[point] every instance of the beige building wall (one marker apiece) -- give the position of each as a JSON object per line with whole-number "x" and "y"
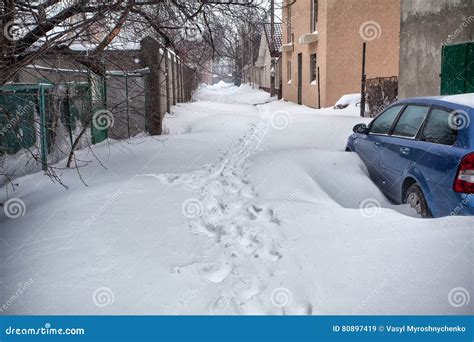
{"x": 342, "y": 27}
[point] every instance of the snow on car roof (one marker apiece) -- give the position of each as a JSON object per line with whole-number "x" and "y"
{"x": 348, "y": 99}
{"x": 461, "y": 99}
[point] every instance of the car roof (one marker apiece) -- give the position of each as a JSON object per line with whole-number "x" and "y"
{"x": 462, "y": 101}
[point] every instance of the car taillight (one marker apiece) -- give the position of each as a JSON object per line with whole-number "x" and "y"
{"x": 465, "y": 179}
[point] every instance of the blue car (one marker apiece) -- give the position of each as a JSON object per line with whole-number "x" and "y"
{"x": 421, "y": 152}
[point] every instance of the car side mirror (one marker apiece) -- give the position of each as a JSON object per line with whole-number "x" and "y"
{"x": 360, "y": 129}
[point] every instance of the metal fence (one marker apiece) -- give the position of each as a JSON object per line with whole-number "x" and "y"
{"x": 381, "y": 92}
{"x": 54, "y": 110}
{"x": 40, "y": 123}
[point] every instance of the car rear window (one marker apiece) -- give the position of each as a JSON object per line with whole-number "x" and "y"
{"x": 411, "y": 120}
{"x": 438, "y": 129}
{"x": 383, "y": 123}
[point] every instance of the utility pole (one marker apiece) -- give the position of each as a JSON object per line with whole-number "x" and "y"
{"x": 272, "y": 46}
{"x": 319, "y": 90}
{"x": 363, "y": 82}
{"x": 242, "y": 55}
{"x": 251, "y": 57}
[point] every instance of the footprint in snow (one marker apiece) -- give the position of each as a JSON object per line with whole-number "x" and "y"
{"x": 163, "y": 178}
{"x": 250, "y": 290}
{"x": 247, "y": 192}
{"x": 211, "y": 229}
{"x": 217, "y": 273}
{"x": 257, "y": 213}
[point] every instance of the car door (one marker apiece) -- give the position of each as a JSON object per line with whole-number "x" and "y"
{"x": 441, "y": 153}
{"x": 368, "y": 146}
{"x": 399, "y": 150}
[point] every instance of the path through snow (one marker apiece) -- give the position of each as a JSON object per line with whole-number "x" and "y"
{"x": 224, "y": 212}
{"x": 241, "y": 209}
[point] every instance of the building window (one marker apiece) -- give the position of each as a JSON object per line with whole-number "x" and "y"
{"x": 314, "y": 15}
{"x": 288, "y": 25}
{"x": 313, "y": 68}
{"x": 288, "y": 71}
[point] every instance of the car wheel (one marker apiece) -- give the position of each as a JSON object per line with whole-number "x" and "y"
{"x": 415, "y": 198}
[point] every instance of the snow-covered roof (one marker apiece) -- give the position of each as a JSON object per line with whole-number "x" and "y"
{"x": 114, "y": 46}
{"x": 136, "y": 72}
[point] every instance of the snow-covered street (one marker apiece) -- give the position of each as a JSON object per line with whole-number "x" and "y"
{"x": 246, "y": 206}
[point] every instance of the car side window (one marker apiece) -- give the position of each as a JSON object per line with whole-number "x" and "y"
{"x": 411, "y": 120}
{"x": 383, "y": 123}
{"x": 437, "y": 128}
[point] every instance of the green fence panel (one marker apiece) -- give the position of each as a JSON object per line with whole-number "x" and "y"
{"x": 453, "y": 69}
{"x": 98, "y": 134}
{"x": 98, "y": 96}
{"x": 470, "y": 68}
{"x": 30, "y": 115}
{"x": 17, "y": 126}
{"x": 457, "y": 69}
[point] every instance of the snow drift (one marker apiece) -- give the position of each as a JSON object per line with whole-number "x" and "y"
{"x": 241, "y": 209}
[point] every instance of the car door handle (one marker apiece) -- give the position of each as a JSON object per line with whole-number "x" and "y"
{"x": 405, "y": 151}
{"x": 377, "y": 144}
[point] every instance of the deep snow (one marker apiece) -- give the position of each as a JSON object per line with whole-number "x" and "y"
{"x": 240, "y": 209}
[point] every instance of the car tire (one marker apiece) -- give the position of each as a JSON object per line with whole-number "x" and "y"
{"x": 416, "y": 199}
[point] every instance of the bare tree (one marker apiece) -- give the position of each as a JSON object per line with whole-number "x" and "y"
{"x": 80, "y": 31}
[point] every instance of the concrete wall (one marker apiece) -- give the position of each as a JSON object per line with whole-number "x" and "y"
{"x": 339, "y": 46}
{"x": 126, "y": 100}
{"x": 168, "y": 83}
{"x": 426, "y": 25}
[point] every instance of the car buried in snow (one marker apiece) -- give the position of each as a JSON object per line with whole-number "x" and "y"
{"x": 420, "y": 152}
